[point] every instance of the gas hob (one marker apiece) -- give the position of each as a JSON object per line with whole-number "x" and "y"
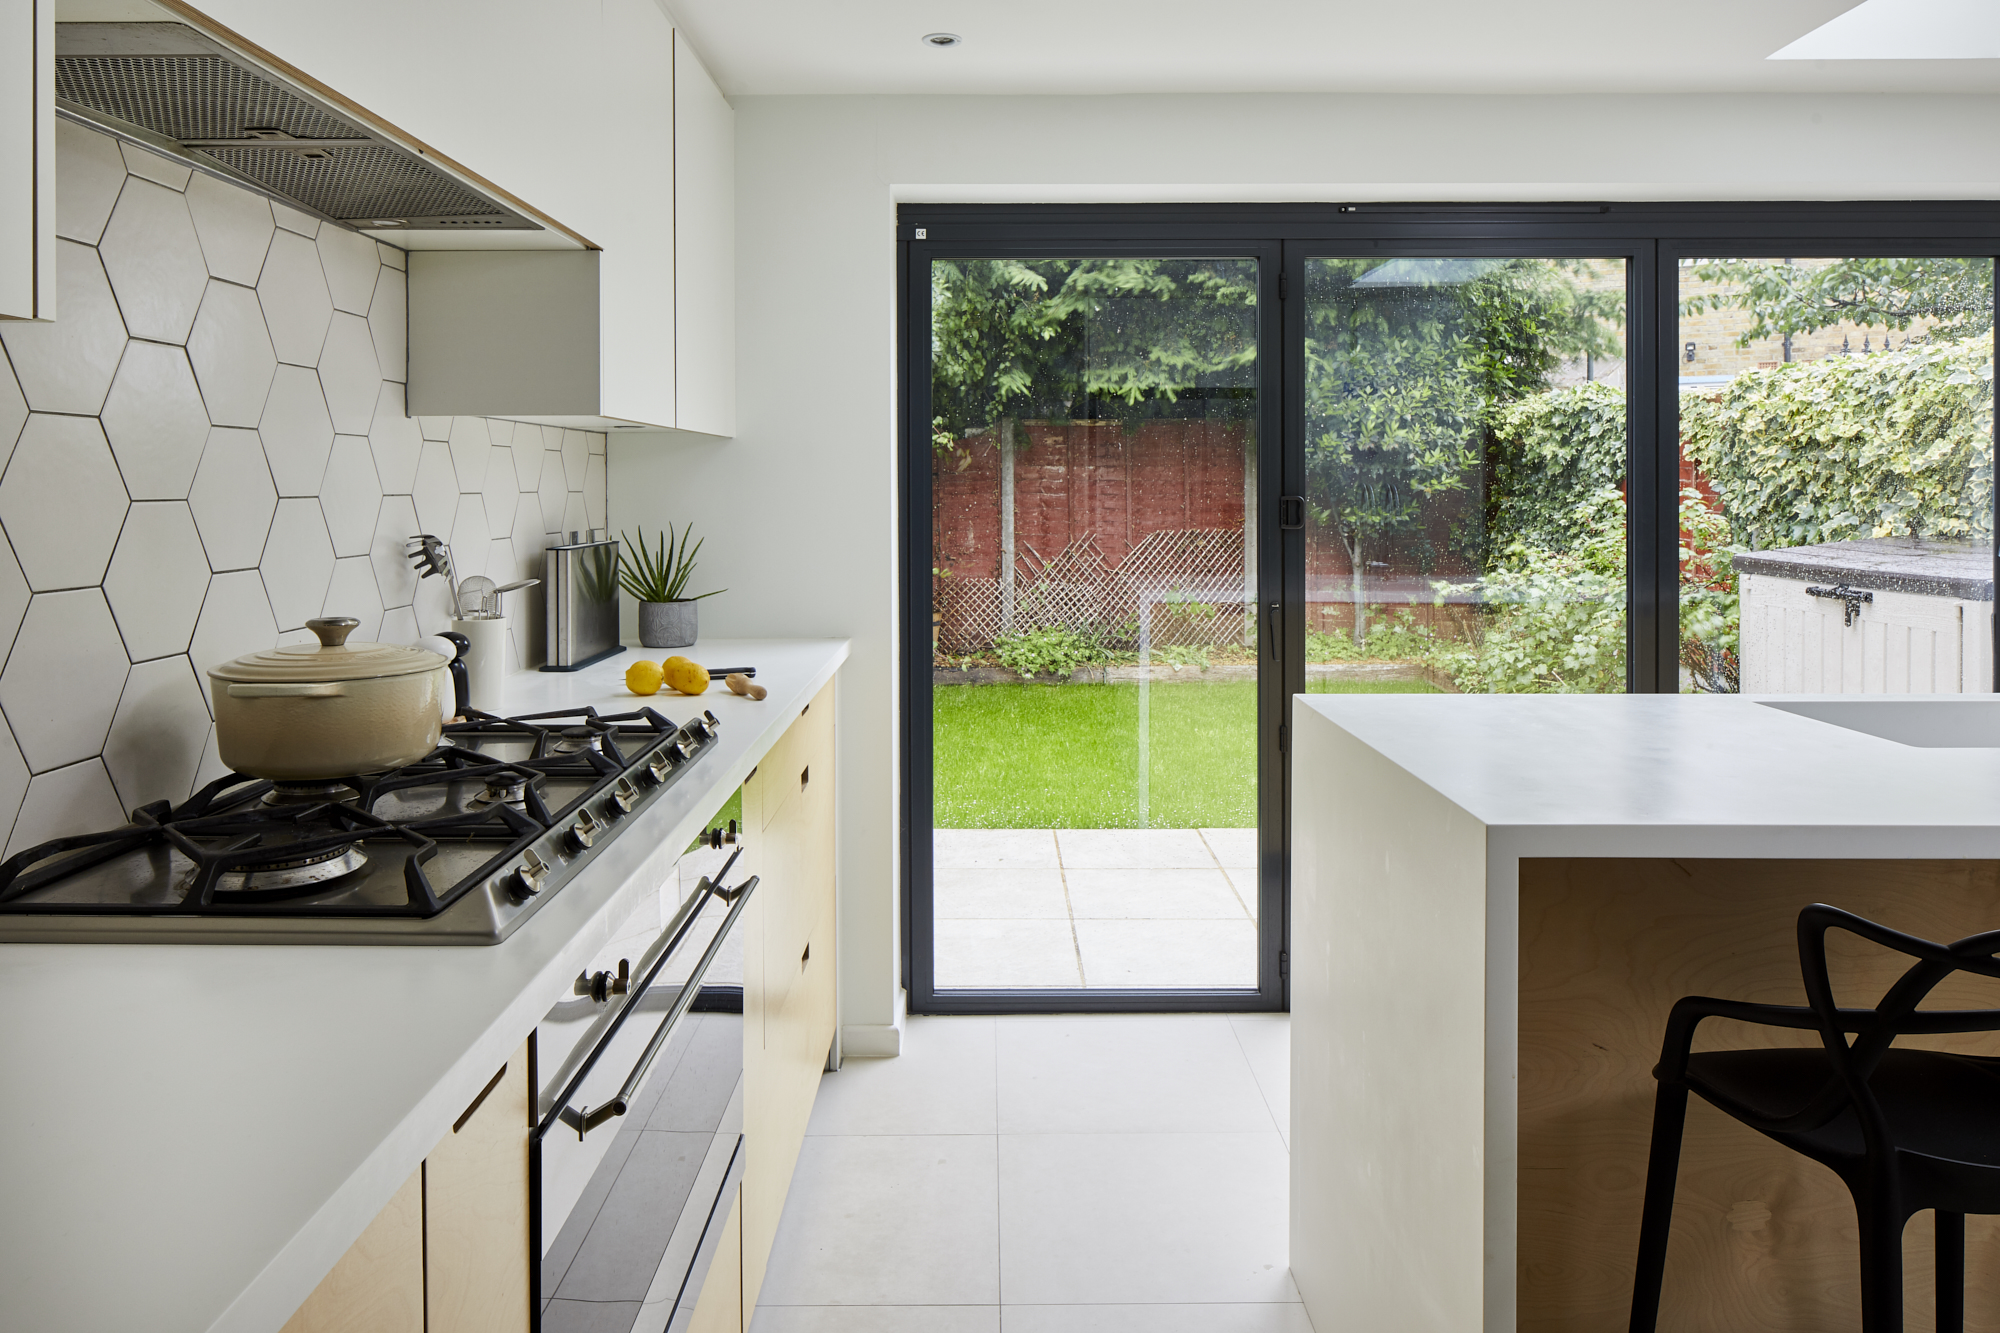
{"x": 458, "y": 848}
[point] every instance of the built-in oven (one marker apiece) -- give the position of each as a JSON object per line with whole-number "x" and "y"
{"x": 637, "y": 1148}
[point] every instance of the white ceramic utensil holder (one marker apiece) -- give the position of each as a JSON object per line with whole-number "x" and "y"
{"x": 485, "y": 663}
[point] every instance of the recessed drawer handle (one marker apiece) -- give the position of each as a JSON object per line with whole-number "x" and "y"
{"x": 805, "y": 776}
{"x": 806, "y": 957}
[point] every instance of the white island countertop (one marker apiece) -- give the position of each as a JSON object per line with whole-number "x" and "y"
{"x": 193, "y": 1134}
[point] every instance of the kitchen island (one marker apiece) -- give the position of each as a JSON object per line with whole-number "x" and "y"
{"x": 197, "y": 1133}
{"x": 1494, "y": 902}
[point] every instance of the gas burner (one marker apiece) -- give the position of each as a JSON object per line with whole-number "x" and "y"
{"x": 504, "y": 789}
{"x": 305, "y": 873}
{"x": 575, "y": 740}
{"x": 311, "y": 793}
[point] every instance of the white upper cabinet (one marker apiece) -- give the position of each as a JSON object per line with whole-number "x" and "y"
{"x": 572, "y": 109}
{"x": 27, "y": 160}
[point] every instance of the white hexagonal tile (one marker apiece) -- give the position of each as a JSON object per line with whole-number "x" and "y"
{"x": 65, "y": 803}
{"x": 155, "y": 421}
{"x": 62, "y": 502}
{"x": 500, "y": 566}
{"x": 576, "y": 515}
{"x": 297, "y": 563}
{"x": 349, "y": 374}
{"x": 351, "y": 496}
{"x": 352, "y": 592}
{"x": 154, "y": 749}
{"x": 389, "y": 322}
{"x": 234, "y": 226}
{"x": 233, "y": 499}
{"x": 594, "y": 497}
{"x": 350, "y": 262}
{"x": 235, "y": 619}
{"x": 89, "y": 174}
{"x": 157, "y": 579}
{"x": 399, "y": 625}
{"x": 576, "y": 458}
{"x": 13, "y": 783}
{"x": 395, "y": 440}
{"x": 500, "y": 432}
{"x": 597, "y": 440}
{"x": 292, "y": 292}
{"x": 154, "y": 260}
{"x": 155, "y": 167}
{"x": 392, "y": 257}
{"x": 554, "y": 493}
{"x": 529, "y": 539}
{"x": 66, "y": 364}
{"x": 433, "y": 607}
{"x": 13, "y": 605}
{"x": 296, "y": 430}
{"x": 435, "y": 428}
{"x": 469, "y": 536}
{"x": 62, "y": 680}
{"x": 436, "y": 489}
{"x": 528, "y": 455}
{"x": 212, "y": 766}
{"x": 470, "y": 447}
{"x": 502, "y": 495}
{"x": 13, "y": 409}
{"x": 388, "y": 551}
{"x": 232, "y": 356}
{"x": 292, "y": 220}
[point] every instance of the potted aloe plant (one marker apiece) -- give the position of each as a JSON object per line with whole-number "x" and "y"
{"x": 656, "y": 577}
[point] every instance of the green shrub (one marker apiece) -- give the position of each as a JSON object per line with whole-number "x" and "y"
{"x": 1046, "y": 652}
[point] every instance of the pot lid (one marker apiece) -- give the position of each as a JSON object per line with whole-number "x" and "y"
{"x": 332, "y": 658}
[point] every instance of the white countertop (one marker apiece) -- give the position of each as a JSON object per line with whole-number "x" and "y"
{"x": 1713, "y": 775}
{"x": 191, "y": 1135}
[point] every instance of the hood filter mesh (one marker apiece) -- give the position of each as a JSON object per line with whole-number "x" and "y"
{"x": 191, "y": 97}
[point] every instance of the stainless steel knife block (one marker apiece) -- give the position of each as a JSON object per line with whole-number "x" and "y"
{"x": 582, "y": 583}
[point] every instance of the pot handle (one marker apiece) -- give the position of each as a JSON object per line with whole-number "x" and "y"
{"x": 286, "y": 690}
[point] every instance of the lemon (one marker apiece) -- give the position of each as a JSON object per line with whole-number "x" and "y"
{"x": 685, "y": 676}
{"x": 644, "y": 677}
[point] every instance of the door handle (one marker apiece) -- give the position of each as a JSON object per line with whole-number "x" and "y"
{"x": 1291, "y": 512}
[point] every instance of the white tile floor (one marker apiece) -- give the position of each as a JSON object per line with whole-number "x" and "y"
{"x": 1101, "y": 1174}
{"x": 1125, "y": 908}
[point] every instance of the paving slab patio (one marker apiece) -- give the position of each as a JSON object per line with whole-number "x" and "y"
{"x": 1095, "y": 908}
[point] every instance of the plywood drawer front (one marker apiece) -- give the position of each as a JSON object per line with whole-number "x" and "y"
{"x": 720, "y": 1308}
{"x": 378, "y": 1285}
{"x": 785, "y": 922}
{"x": 476, "y": 1214}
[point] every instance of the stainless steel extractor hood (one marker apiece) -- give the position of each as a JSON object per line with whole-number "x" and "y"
{"x": 170, "y": 86}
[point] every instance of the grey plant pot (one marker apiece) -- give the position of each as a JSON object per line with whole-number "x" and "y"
{"x": 667, "y": 624}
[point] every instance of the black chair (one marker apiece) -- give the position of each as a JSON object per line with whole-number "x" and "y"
{"x": 1906, "y": 1130}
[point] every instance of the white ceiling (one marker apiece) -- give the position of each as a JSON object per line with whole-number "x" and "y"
{"x": 1166, "y": 46}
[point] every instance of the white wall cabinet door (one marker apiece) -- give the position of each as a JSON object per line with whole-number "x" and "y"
{"x": 27, "y": 160}
{"x": 704, "y": 249}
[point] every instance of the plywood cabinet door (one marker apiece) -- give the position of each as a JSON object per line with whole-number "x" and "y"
{"x": 27, "y": 160}
{"x": 378, "y": 1285}
{"x": 720, "y": 1308}
{"x": 476, "y": 1213}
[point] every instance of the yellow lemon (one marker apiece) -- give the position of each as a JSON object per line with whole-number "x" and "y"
{"x": 644, "y": 677}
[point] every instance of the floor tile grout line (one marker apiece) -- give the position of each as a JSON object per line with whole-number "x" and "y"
{"x": 1062, "y": 873}
{"x": 1223, "y": 870}
{"x": 1258, "y": 1083}
{"x": 999, "y": 1243}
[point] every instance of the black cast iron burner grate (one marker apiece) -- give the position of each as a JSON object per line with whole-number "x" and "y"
{"x": 227, "y": 827}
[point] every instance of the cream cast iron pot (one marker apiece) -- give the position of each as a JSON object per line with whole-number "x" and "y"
{"x": 316, "y": 712}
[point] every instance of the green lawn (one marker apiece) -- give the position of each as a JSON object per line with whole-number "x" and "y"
{"x": 1067, "y": 756}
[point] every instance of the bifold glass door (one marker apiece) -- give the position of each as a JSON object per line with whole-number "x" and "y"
{"x": 1095, "y": 425}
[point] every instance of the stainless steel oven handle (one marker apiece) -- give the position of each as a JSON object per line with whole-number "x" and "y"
{"x": 590, "y": 1117}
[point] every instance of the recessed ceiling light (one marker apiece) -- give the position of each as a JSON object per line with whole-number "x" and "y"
{"x": 942, "y": 38}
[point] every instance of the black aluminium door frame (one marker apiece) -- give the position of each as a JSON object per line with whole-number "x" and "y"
{"x": 915, "y": 600}
{"x": 1653, "y": 237}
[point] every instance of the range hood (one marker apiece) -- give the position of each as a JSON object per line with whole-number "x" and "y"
{"x": 172, "y": 87}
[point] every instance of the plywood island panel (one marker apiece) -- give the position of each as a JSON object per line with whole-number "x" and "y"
{"x": 1763, "y": 1239}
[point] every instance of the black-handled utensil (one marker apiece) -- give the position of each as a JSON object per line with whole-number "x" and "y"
{"x": 461, "y": 679}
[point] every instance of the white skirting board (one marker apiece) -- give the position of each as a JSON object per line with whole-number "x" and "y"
{"x": 863, "y": 1041}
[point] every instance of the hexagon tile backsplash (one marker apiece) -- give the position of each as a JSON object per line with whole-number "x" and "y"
{"x": 205, "y": 450}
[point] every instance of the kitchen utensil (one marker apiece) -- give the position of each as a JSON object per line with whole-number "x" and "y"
{"x": 478, "y": 598}
{"x": 742, "y": 684}
{"x": 317, "y": 712}
{"x": 433, "y": 557}
{"x": 461, "y": 674}
{"x": 749, "y": 672}
{"x": 517, "y": 585}
{"x": 582, "y": 578}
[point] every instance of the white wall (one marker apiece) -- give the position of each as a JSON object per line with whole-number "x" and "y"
{"x": 799, "y": 510}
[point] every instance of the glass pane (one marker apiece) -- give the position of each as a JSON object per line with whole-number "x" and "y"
{"x": 1093, "y": 472}
{"x": 1465, "y": 475}
{"x": 1836, "y": 504}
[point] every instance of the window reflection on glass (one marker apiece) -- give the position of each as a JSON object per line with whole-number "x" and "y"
{"x": 1465, "y": 456}
{"x": 1836, "y": 475}
{"x": 1094, "y": 722}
